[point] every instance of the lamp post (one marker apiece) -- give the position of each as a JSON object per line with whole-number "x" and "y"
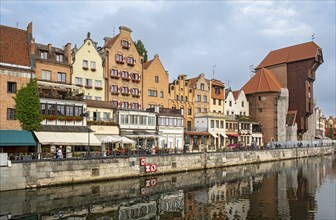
{"x": 86, "y": 115}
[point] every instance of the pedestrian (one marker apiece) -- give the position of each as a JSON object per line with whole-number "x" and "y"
{"x": 60, "y": 153}
{"x": 56, "y": 154}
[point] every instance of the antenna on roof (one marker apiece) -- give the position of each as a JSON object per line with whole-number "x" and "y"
{"x": 228, "y": 83}
{"x": 113, "y": 31}
{"x": 17, "y": 24}
{"x": 313, "y": 37}
{"x": 252, "y": 70}
{"x": 213, "y": 71}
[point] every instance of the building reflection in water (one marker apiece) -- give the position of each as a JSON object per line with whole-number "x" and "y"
{"x": 279, "y": 190}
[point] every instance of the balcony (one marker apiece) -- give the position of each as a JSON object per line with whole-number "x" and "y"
{"x": 98, "y": 87}
{"x": 165, "y": 111}
{"x": 101, "y": 121}
{"x": 50, "y": 92}
{"x": 210, "y": 114}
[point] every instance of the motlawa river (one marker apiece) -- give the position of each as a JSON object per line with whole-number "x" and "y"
{"x": 290, "y": 189}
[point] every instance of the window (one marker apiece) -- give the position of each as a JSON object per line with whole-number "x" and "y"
{"x": 98, "y": 84}
{"x": 189, "y": 111}
{"x": 260, "y": 110}
{"x": 124, "y": 105}
{"x": 217, "y": 91}
{"x": 61, "y": 77}
{"x": 88, "y": 83}
{"x": 156, "y": 79}
{"x": 85, "y": 64}
{"x": 93, "y": 65}
{"x": 136, "y": 76}
{"x": 205, "y": 98}
{"x": 98, "y": 98}
{"x": 135, "y": 91}
{"x": 124, "y": 119}
{"x": 119, "y": 58}
{"x": 161, "y": 94}
{"x": 204, "y": 109}
{"x": 151, "y": 120}
{"x": 152, "y": 93}
{"x": 11, "y": 87}
{"x": 78, "y": 110}
{"x": 10, "y": 114}
{"x": 114, "y": 89}
{"x": 136, "y": 105}
{"x": 89, "y": 97}
{"x": 115, "y": 103}
{"x": 69, "y": 110}
{"x": 212, "y": 123}
{"x": 106, "y": 115}
{"x": 46, "y": 75}
{"x": 179, "y": 122}
{"x": 134, "y": 119}
{"x": 227, "y": 112}
{"x": 181, "y": 98}
{"x": 177, "y": 97}
{"x": 189, "y": 125}
{"x": 60, "y": 110}
{"x": 221, "y": 124}
{"x": 186, "y": 98}
{"x": 202, "y": 86}
{"x": 199, "y": 98}
{"x": 130, "y": 61}
{"x": 242, "y": 104}
{"x": 214, "y": 102}
{"x": 230, "y": 103}
{"x": 217, "y": 124}
{"x": 125, "y": 44}
{"x": 198, "y": 110}
{"x": 124, "y": 90}
{"x": 125, "y": 75}
{"x": 143, "y": 119}
{"x": 59, "y": 57}
{"x": 219, "y": 102}
{"x": 114, "y": 73}
{"x": 44, "y": 54}
{"x": 79, "y": 81}
{"x": 259, "y": 97}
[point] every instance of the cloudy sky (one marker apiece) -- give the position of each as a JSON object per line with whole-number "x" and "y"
{"x": 193, "y": 37}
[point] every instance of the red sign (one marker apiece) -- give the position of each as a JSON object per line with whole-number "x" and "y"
{"x": 153, "y": 167}
{"x": 148, "y": 168}
{"x": 142, "y": 161}
{"x": 153, "y": 182}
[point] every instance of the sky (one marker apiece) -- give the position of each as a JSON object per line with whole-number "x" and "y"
{"x": 222, "y": 39}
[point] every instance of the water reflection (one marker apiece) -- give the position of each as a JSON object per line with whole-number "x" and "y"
{"x": 279, "y": 190}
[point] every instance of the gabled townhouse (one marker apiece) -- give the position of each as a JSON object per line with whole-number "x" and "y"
{"x": 295, "y": 68}
{"x": 320, "y": 123}
{"x": 122, "y": 70}
{"x": 213, "y": 120}
{"x": 16, "y": 69}
{"x": 170, "y": 128}
{"x": 62, "y": 103}
{"x": 231, "y": 125}
{"x": 155, "y": 84}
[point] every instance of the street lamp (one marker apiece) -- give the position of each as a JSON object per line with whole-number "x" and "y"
{"x": 86, "y": 115}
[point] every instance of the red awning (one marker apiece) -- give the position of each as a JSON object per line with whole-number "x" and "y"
{"x": 232, "y": 135}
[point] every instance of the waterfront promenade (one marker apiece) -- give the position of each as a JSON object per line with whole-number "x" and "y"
{"x": 43, "y": 173}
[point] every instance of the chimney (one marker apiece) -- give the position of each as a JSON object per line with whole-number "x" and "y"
{"x": 107, "y": 39}
{"x": 30, "y": 28}
{"x": 125, "y": 29}
{"x": 67, "y": 52}
{"x": 50, "y": 47}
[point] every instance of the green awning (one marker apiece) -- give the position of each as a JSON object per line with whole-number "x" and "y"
{"x": 9, "y": 138}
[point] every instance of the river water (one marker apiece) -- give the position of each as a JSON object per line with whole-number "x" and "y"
{"x": 291, "y": 189}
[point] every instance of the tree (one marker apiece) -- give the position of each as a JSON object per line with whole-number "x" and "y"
{"x": 141, "y": 50}
{"x": 28, "y": 106}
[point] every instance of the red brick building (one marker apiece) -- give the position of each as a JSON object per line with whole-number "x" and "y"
{"x": 330, "y": 127}
{"x": 295, "y": 68}
{"x": 15, "y": 71}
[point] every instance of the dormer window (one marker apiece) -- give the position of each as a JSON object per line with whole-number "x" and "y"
{"x": 125, "y": 44}
{"x": 44, "y": 54}
{"x": 119, "y": 58}
{"x": 59, "y": 57}
{"x": 130, "y": 61}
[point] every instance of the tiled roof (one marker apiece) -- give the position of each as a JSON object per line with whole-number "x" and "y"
{"x": 14, "y": 46}
{"x": 192, "y": 81}
{"x": 227, "y": 92}
{"x": 263, "y": 81}
{"x": 147, "y": 64}
{"x": 236, "y": 94}
{"x": 110, "y": 42}
{"x": 290, "y": 54}
{"x": 217, "y": 83}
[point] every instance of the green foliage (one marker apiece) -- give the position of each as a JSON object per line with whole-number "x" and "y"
{"x": 141, "y": 49}
{"x": 28, "y": 106}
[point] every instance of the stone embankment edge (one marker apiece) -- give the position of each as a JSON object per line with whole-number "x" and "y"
{"x": 30, "y": 179}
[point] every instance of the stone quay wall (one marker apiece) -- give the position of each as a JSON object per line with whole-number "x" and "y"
{"x": 21, "y": 175}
